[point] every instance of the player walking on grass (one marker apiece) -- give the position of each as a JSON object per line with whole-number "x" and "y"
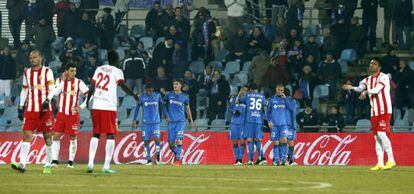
{"x": 37, "y": 83}
{"x": 177, "y": 105}
{"x": 278, "y": 115}
{"x": 377, "y": 87}
{"x": 253, "y": 130}
{"x": 68, "y": 88}
{"x": 150, "y": 102}
{"x": 293, "y": 126}
{"x": 238, "y": 118}
{"x": 104, "y": 118}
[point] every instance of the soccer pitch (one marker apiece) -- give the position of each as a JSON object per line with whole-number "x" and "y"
{"x": 208, "y": 179}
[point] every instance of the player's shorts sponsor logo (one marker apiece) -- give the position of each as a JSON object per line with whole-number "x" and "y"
{"x": 151, "y": 103}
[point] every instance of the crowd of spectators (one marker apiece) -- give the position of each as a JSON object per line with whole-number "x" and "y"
{"x": 275, "y": 49}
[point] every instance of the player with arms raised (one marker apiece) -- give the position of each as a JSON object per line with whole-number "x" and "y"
{"x": 68, "y": 88}
{"x": 177, "y": 105}
{"x": 37, "y": 83}
{"x": 238, "y": 119}
{"x": 150, "y": 102}
{"x": 104, "y": 118}
{"x": 377, "y": 87}
{"x": 253, "y": 130}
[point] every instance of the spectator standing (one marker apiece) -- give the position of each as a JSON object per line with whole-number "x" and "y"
{"x": 45, "y": 10}
{"x": 107, "y": 30}
{"x": 61, "y": 8}
{"x": 167, "y": 18}
{"x": 329, "y": 73}
{"x": 257, "y": 42}
{"x": 163, "y": 53}
{"x": 340, "y": 32}
{"x": 205, "y": 77}
{"x": 330, "y": 44}
{"x": 86, "y": 30}
{"x": 280, "y": 27}
{"x": 308, "y": 120}
{"x": 258, "y": 67}
{"x": 204, "y": 28}
{"x": 403, "y": 22}
{"x": 179, "y": 60}
{"x": 121, "y": 8}
{"x": 70, "y": 22}
{"x": 390, "y": 62}
{"x": 43, "y": 37}
{"x": 22, "y": 57}
{"x": 306, "y": 84}
{"x": 369, "y": 21}
{"x": 405, "y": 86}
{"x": 268, "y": 29}
{"x": 190, "y": 87}
{"x": 134, "y": 69}
{"x": 17, "y": 14}
{"x": 312, "y": 48}
{"x": 357, "y": 37}
{"x": 152, "y": 21}
{"x": 219, "y": 92}
{"x": 278, "y": 9}
{"x": 324, "y": 12}
{"x": 235, "y": 14}
{"x": 182, "y": 24}
{"x": 8, "y": 71}
{"x": 293, "y": 17}
{"x": 349, "y": 103}
{"x": 335, "y": 120}
{"x": 237, "y": 47}
{"x": 389, "y": 23}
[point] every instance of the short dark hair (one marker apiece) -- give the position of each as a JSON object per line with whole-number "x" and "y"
{"x": 378, "y": 60}
{"x": 252, "y": 86}
{"x": 70, "y": 65}
{"x": 178, "y": 80}
{"x": 148, "y": 85}
{"x": 113, "y": 57}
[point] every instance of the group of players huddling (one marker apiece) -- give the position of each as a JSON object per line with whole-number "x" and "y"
{"x": 248, "y": 111}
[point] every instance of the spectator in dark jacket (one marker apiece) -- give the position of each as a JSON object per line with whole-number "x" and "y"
{"x": 89, "y": 68}
{"x": 310, "y": 61}
{"x": 389, "y": 23}
{"x": 405, "y": 86}
{"x": 329, "y": 73}
{"x": 92, "y": 6}
{"x": 205, "y": 77}
{"x": 70, "y": 22}
{"x": 22, "y": 57}
{"x": 357, "y": 37}
{"x": 182, "y": 24}
{"x": 107, "y": 29}
{"x": 330, "y": 44}
{"x": 219, "y": 93}
{"x": 167, "y": 18}
{"x": 350, "y": 98}
{"x": 86, "y": 30}
{"x": 390, "y": 62}
{"x": 257, "y": 42}
{"x": 340, "y": 32}
{"x": 312, "y": 48}
{"x": 369, "y": 21}
{"x": 237, "y": 46}
{"x": 268, "y": 29}
{"x": 44, "y": 36}
{"x": 45, "y": 10}
{"x": 134, "y": 69}
{"x": 336, "y": 120}
{"x": 61, "y": 8}
{"x": 403, "y": 22}
{"x": 307, "y": 83}
{"x": 308, "y": 120}
{"x": 17, "y": 14}
{"x": 190, "y": 87}
{"x": 163, "y": 54}
{"x": 204, "y": 28}
{"x": 152, "y": 21}
{"x": 162, "y": 83}
{"x": 293, "y": 17}
{"x": 8, "y": 71}
{"x": 179, "y": 60}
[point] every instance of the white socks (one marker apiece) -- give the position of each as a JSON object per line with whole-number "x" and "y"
{"x": 72, "y": 149}
{"x": 24, "y": 151}
{"x": 110, "y": 146}
{"x": 386, "y": 145}
{"x": 92, "y": 151}
{"x": 55, "y": 150}
{"x": 379, "y": 151}
{"x": 48, "y": 159}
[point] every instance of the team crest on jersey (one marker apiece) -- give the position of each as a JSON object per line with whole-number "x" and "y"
{"x": 75, "y": 127}
{"x": 48, "y": 123}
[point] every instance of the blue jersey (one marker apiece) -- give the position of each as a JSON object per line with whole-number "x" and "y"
{"x": 254, "y": 102}
{"x": 150, "y": 108}
{"x": 292, "y": 106}
{"x": 176, "y": 106}
{"x": 232, "y": 107}
{"x": 277, "y": 111}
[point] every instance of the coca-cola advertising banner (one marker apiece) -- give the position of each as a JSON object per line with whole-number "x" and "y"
{"x": 215, "y": 148}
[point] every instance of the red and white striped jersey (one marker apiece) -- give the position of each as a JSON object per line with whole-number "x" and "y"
{"x": 38, "y": 83}
{"x": 379, "y": 92}
{"x": 68, "y": 94}
{"x": 106, "y": 80}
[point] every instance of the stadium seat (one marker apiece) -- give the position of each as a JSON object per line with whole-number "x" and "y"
{"x": 102, "y": 55}
{"x": 246, "y": 66}
{"x": 120, "y": 92}
{"x": 159, "y": 40}
{"x": 121, "y": 53}
{"x": 234, "y": 90}
{"x": 216, "y": 65}
{"x": 400, "y": 126}
{"x": 218, "y": 125}
{"x": 344, "y": 67}
{"x": 221, "y": 55}
{"x": 148, "y": 42}
{"x": 196, "y": 67}
{"x": 58, "y": 44}
{"x": 129, "y": 102}
{"x": 232, "y": 67}
{"x": 363, "y": 125}
{"x": 240, "y": 79}
{"x": 85, "y": 114}
{"x": 122, "y": 113}
{"x": 201, "y": 124}
{"x": 411, "y": 65}
{"x": 10, "y": 113}
{"x": 348, "y": 55}
{"x": 137, "y": 31}
{"x": 312, "y": 29}
{"x": 321, "y": 91}
{"x": 125, "y": 125}
{"x": 87, "y": 125}
{"x": 131, "y": 114}
{"x": 397, "y": 114}
{"x": 123, "y": 31}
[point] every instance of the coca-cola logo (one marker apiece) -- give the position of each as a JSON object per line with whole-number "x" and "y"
{"x": 325, "y": 150}
{"x": 130, "y": 150}
{"x": 12, "y": 148}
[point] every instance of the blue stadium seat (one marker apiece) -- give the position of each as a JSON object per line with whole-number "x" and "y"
{"x": 159, "y": 40}
{"x": 121, "y": 53}
{"x": 221, "y": 55}
{"x": 123, "y": 31}
{"x": 218, "y": 125}
{"x": 312, "y": 29}
{"x": 240, "y": 79}
{"x": 363, "y": 125}
{"x": 246, "y": 66}
{"x": 348, "y": 55}
{"x": 344, "y": 66}
{"x": 321, "y": 91}
{"x": 196, "y": 67}
{"x": 411, "y": 65}
{"x": 216, "y": 64}
{"x": 102, "y": 55}
{"x": 232, "y": 67}
{"x": 399, "y": 126}
{"x": 125, "y": 125}
{"x": 201, "y": 124}
{"x": 10, "y": 113}
{"x": 129, "y": 102}
{"x": 122, "y": 113}
{"x": 148, "y": 42}
{"x": 137, "y": 31}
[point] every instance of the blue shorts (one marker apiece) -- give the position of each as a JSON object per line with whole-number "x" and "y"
{"x": 253, "y": 131}
{"x": 149, "y": 130}
{"x": 176, "y": 131}
{"x": 236, "y": 131}
{"x": 279, "y": 132}
{"x": 292, "y": 134}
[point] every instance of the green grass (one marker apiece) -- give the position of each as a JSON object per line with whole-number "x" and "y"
{"x": 208, "y": 179}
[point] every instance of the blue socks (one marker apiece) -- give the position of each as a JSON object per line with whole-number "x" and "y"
{"x": 251, "y": 151}
{"x": 241, "y": 151}
{"x": 179, "y": 150}
{"x": 259, "y": 149}
{"x": 290, "y": 154}
{"x": 276, "y": 153}
{"x": 283, "y": 151}
{"x": 148, "y": 151}
{"x": 236, "y": 151}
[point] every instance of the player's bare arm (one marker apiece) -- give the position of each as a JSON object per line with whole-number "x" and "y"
{"x": 128, "y": 91}
{"x": 190, "y": 117}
